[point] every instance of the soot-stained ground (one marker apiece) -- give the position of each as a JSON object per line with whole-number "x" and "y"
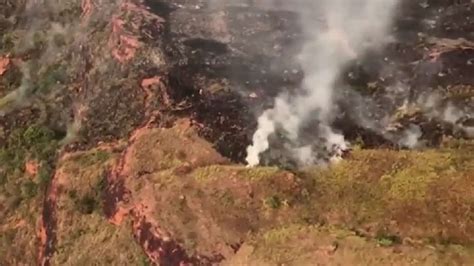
{"x": 225, "y": 67}
{"x": 241, "y": 56}
{"x": 119, "y": 121}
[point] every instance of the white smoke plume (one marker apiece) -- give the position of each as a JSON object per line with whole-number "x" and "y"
{"x": 351, "y": 27}
{"x": 411, "y": 137}
{"x": 449, "y": 113}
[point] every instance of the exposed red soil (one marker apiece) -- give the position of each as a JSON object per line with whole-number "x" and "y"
{"x": 146, "y": 85}
{"x": 4, "y": 64}
{"x": 117, "y": 203}
{"x": 116, "y": 192}
{"x": 48, "y": 222}
{"x": 32, "y": 167}
{"x": 87, "y": 8}
{"x": 123, "y": 42}
{"x": 43, "y": 238}
{"x": 123, "y": 45}
{"x": 47, "y": 234}
{"x": 160, "y": 248}
{"x": 443, "y": 46}
{"x": 150, "y": 81}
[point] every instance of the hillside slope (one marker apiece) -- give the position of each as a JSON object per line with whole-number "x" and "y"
{"x": 123, "y": 128}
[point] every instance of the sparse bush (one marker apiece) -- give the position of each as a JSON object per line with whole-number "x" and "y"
{"x": 227, "y": 199}
{"x": 38, "y": 41}
{"x": 101, "y": 186}
{"x": 87, "y": 204}
{"x": 54, "y": 74}
{"x": 93, "y": 158}
{"x": 3, "y": 179}
{"x": 29, "y": 189}
{"x": 144, "y": 261}
{"x": 72, "y": 194}
{"x": 34, "y": 142}
{"x": 387, "y": 240}
{"x": 44, "y": 176}
{"x": 34, "y": 135}
{"x": 7, "y": 42}
{"x": 273, "y": 202}
{"x": 91, "y": 202}
{"x": 11, "y": 79}
{"x": 59, "y": 40}
{"x": 40, "y": 141}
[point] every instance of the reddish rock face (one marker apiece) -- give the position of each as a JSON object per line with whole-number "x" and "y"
{"x": 4, "y": 63}
{"x": 32, "y": 167}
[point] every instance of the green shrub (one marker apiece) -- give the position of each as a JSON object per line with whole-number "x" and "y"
{"x": 273, "y": 202}
{"x": 87, "y": 204}
{"x": 29, "y": 189}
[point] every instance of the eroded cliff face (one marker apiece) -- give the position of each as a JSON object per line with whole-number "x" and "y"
{"x": 123, "y": 124}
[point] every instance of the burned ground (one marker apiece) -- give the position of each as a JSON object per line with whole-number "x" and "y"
{"x": 92, "y": 88}
{"x": 233, "y": 62}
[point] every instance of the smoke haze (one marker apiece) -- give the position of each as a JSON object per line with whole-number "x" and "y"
{"x": 336, "y": 32}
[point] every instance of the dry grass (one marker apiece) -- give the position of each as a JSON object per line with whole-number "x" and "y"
{"x": 378, "y": 206}
{"x": 385, "y": 196}
{"x": 307, "y": 245}
{"x": 425, "y": 194}
{"x": 84, "y": 236}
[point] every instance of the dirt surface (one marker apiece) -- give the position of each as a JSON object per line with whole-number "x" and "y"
{"x": 124, "y": 124}
{"x": 183, "y": 203}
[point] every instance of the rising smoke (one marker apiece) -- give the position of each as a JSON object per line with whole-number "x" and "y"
{"x": 349, "y": 29}
{"x": 49, "y": 36}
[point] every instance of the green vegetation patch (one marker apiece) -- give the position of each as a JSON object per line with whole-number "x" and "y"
{"x": 411, "y": 193}
{"x": 35, "y": 143}
{"x": 303, "y": 245}
{"x": 21, "y": 193}
{"x": 84, "y": 236}
{"x": 53, "y": 75}
{"x": 213, "y": 172}
{"x": 92, "y": 240}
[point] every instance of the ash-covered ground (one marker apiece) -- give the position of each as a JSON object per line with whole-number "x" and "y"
{"x": 223, "y": 64}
